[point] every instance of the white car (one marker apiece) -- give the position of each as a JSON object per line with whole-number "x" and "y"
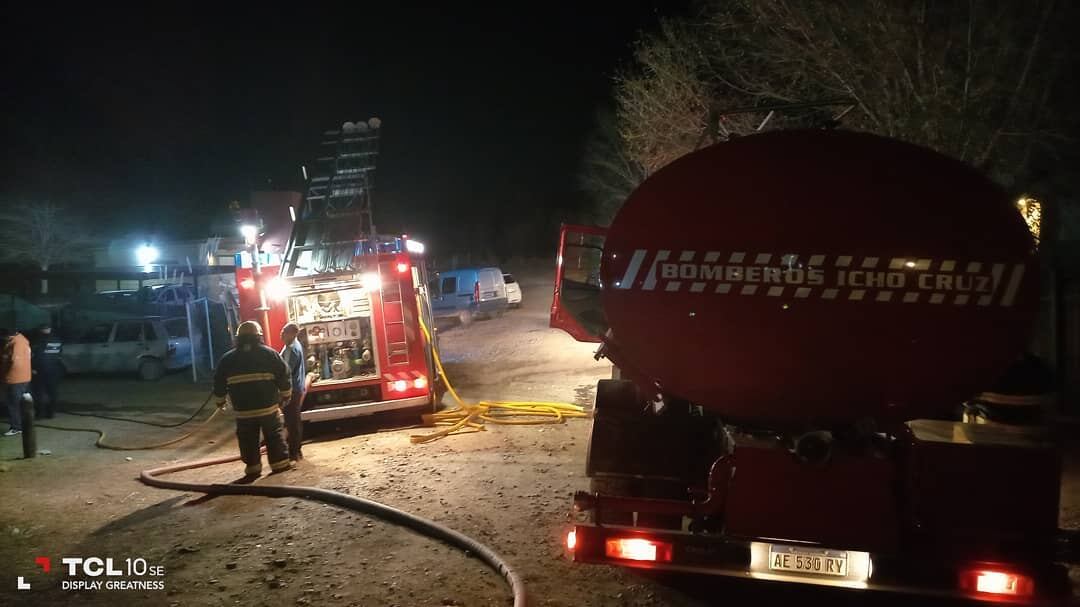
{"x": 513, "y": 291}
{"x": 139, "y": 345}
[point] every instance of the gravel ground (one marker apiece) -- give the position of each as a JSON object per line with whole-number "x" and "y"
{"x": 507, "y": 486}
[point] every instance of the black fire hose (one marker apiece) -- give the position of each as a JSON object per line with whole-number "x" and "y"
{"x": 191, "y": 417}
{"x": 359, "y": 504}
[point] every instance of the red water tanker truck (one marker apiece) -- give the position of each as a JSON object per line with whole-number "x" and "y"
{"x": 794, "y": 318}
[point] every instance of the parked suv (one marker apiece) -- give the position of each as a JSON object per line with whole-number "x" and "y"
{"x": 139, "y": 345}
{"x": 468, "y": 293}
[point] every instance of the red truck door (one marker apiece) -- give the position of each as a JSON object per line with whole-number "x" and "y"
{"x": 575, "y": 307}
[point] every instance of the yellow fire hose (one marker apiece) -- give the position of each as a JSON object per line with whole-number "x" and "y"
{"x": 471, "y": 417}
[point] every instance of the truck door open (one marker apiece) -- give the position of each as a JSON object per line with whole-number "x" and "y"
{"x": 576, "y": 307}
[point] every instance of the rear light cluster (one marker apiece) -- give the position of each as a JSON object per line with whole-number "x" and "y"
{"x": 403, "y": 385}
{"x": 637, "y": 549}
{"x": 629, "y": 548}
{"x": 998, "y": 582}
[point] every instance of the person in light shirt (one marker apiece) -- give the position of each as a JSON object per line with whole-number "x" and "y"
{"x": 293, "y": 355}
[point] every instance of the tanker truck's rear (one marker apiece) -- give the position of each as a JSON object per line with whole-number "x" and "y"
{"x": 795, "y": 317}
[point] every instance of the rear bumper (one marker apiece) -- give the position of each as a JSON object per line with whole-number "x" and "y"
{"x": 355, "y": 410}
{"x": 748, "y": 559}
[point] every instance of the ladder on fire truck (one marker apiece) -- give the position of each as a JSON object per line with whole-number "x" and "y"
{"x": 335, "y": 222}
{"x": 393, "y": 315}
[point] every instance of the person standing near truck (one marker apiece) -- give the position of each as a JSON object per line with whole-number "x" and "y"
{"x": 293, "y": 355}
{"x": 45, "y": 361}
{"x": 256, "y": 381}
{"x": 15, "y": 365}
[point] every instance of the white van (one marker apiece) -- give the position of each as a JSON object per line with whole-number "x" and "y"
{"x": 468, "y": 293}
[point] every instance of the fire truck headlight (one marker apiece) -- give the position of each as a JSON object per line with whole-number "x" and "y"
{"x": 249, "y": 232}
{"x": 370, "y": 281}
{"x": 277, "y": 288}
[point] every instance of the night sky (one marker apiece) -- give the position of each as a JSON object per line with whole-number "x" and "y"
{"x": 156, "y": 120}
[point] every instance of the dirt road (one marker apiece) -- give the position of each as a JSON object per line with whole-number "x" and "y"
{"x": 508, "y": 486}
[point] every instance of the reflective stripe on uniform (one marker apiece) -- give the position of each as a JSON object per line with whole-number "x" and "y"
{"x": 258, "y": 412}
{"x": 286, "y": 393}
{"x": 279, "y": 466}
{"x": 1020, "y": 400}
{"x": 244, "y": 378}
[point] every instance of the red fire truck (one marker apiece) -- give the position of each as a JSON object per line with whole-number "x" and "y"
{"x": 795, "y": 318}
{"x": 358, "y": 297}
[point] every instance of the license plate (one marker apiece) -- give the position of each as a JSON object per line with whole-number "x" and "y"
{"x": 814, "y": 561}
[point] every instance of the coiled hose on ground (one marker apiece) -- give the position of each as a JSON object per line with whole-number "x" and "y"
{"x": 471, "y": 417}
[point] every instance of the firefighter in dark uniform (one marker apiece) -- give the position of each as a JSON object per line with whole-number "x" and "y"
{"x": 1022, "y": 396}
{"x": 257, "y": 382}
{"x": 45, "y": 353}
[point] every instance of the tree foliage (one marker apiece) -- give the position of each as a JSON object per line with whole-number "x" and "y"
{"x": 610, "y": 173}
{"x": 42, "y": 233}
{"x": 977, "y": 80}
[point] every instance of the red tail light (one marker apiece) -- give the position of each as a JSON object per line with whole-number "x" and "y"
{"x": 999, "y": 582}
{"x": 571, "y": 541}
{"x": 637, "y": 549}
{"x": 402, "y": 267}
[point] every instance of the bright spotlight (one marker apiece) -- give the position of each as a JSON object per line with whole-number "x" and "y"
{"x": 277, "y": 288}
{"x": 371, "y": 281}
{"x": 250, "y": 232}
{"x": 146, "y": 255}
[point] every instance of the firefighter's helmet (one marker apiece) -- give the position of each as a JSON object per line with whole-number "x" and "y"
{"x": 249, "y": 327}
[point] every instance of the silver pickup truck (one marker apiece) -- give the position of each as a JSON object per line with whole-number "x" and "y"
{"x": 142, "y": 345}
